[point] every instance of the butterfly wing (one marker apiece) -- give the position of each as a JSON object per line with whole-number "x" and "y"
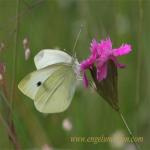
{"x": 30, "y": 84}
{"x": 49, "y": 57}
{"x": 56, "y": 92}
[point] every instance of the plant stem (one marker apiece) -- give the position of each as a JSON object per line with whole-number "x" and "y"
{"x": 139, "y": 53}
{"x": 9, "y": 132}
{"x": 129, "y": 131}
{"x": 11, "y": 125}
{"x": 14, "y": 56}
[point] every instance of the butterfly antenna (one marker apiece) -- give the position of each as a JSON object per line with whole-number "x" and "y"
{"x": 77, "y": 38}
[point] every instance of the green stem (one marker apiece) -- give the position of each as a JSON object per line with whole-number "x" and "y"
{"x": 11, "y": 135}
{"x": 14, "y": 56}
{"x": 11, "y": 125}
{"x": 129, "y": 131}
{"x": 139, "y": 53}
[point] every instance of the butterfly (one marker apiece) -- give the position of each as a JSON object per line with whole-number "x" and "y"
{"x": 53, "y": 84}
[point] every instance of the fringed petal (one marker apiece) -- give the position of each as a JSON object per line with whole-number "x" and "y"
{"x": 114, "y": 59}
{"x": 122, "y": 50}
{"x": 85, "y": 80}
{"x": 102, "y": 72}
{"x": 94, "y": 47}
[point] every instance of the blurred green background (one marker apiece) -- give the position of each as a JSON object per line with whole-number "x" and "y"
{"x": 55, "y": 23}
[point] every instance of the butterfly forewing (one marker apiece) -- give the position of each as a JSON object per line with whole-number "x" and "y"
{"x": 56, "y": 92}
{"x": 32, "y": 82}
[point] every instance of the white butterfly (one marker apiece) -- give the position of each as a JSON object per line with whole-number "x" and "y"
{"x": 53, "y": 84}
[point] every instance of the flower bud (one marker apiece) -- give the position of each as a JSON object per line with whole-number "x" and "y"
{"x": 67, "y": 125}
{"x": 27, "y": 53}
{"x": 2, "y": 46}
{"x": 25, "y": 43}
{"x": 107, "y": 88}
{"x": 27, "y": 50}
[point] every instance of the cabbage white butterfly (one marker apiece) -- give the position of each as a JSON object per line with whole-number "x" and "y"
{"x": 53, "y": 84}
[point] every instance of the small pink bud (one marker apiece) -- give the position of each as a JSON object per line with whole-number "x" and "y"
{"x": 25, "y": 43}
{"x": 26, "y": 47}
{"x": 46, "y": 147}
{"x": 67, "y": 125}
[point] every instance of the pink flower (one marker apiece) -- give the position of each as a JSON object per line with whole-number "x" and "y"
{"x": 101, "y": 52}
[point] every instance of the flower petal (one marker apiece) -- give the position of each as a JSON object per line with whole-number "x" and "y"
{"x": 94, "y": 47}
{"x": 101, "y": 53}
{"x": 86, "y": 64}
{"x": 114, "y": 59}
{"x": 102, "y": 72}
{"x": 104, "y": 46}
{"x": 85, "y": 80}
{"x": 122, "y": 50}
